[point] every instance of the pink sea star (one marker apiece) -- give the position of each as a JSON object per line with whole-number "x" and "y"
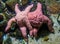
{"x": 37, "y": 18}
{"x": 21, "y": 19}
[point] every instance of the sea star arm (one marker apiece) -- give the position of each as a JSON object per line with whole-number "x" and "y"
{"x": 17, "y": 9}
{"x": 50, "y": 26}
{"x": 9, "y": 23}
{"x": 28, "y": 8}
{"x": 28, "y": 24}
{"x": 26, "y": 20}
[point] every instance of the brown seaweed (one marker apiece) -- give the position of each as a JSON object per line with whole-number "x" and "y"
{"x": 53, "y": 7}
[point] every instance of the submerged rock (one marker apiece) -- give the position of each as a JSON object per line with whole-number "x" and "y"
{"x": 24, "y": 2}
{"x": 46, "y": 38}
{"x": 2, "y": 6}
{"x": 2, "y": 19}
{"x": 11, "y": 3}
{"x": 12, "y": 40}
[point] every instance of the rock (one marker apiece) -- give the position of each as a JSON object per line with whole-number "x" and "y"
{"x": 24, "y": 2}
{"x": 11, "y": 3}
{"x": 2, "y": 19}
{"x": 46, "y": 38}
{"x": 53, "y": 6}
{"x": 2, "y": 6}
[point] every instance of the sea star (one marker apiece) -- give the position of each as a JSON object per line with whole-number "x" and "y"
{"x": 21, "y": 19}
{"x": 37, "y": 18}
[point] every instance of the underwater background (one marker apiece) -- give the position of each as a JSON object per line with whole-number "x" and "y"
{"x": 51, "y": 8}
